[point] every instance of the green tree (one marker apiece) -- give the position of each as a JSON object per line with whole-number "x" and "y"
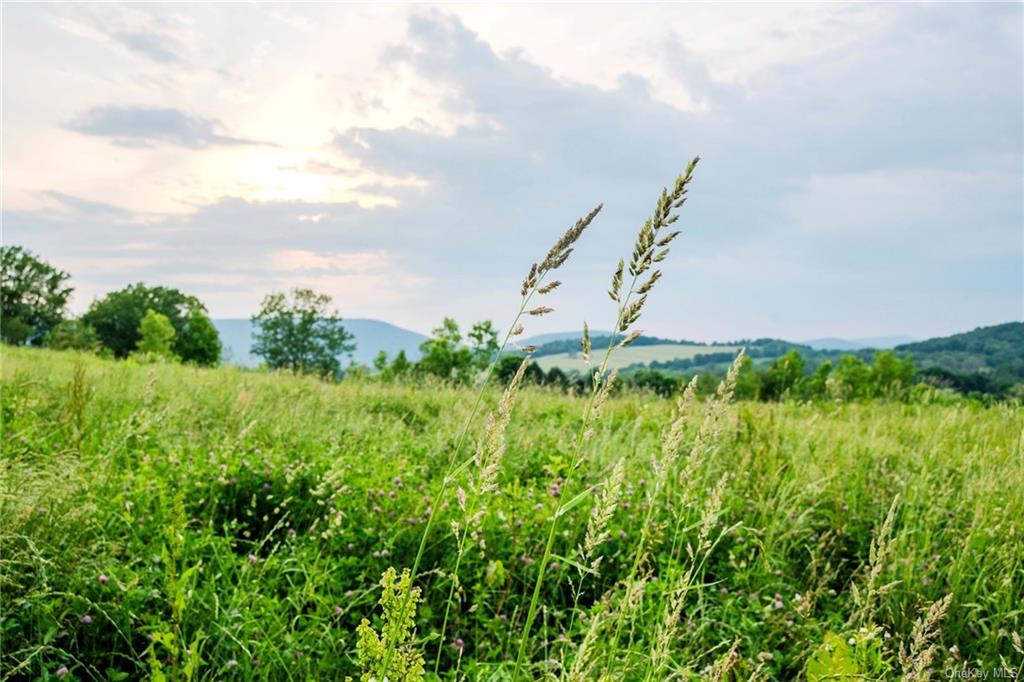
{"x": 117, "y": 316}
{"x": 444, "y": 356}
{"x": 396, "y": 368}
{"x": 653, "y": 380}
{"x": 200, "y": 341}
{"x": 33, "y": 296}
{"x": 298, "y": 331}
{"x": 891, "y": 375}
{"x": 748, "y": 381}
{"x": 783, "y": 376}
{"x": 72, "y": 335}
{"x": 156, "y": 336}
{"x": 815, "y": 385}
{"x": 483, "y": 343}
{"x": 851, "y": 378}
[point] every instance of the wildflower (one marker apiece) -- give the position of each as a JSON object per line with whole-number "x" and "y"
{"x": 397, "y": 481}
{"x": 252, "y": 558}
{"x": 851, "y": 641}
{"x": 525, "y": 560}
{"x": 740, "y": 540}
{"x": 103, "y": 579}
{"x": 338, "y": 610}
{"x": 62, "y": 671}
{"x": 554, "y": 490}
{"x": 86, "y": 619}
{"x": 778, "y": 604}
{"x": 459, "y": 644}
{"x": 232, "y": 663}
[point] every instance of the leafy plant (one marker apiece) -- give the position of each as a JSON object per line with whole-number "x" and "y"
{"x": 390, "y": 654}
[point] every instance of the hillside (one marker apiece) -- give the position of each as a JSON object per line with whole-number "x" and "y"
{"x": 988, "y": 358}
{"x": 984, "y": 349}
{"x": 371, "y": 336}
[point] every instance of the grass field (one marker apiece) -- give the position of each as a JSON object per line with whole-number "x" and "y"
{"x": 166, "y": 522}
{"x": 633, "y": 355}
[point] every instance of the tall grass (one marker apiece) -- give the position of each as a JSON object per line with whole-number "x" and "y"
{"x": 168, "y": 522}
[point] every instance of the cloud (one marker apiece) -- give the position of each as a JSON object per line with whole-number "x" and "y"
{"x": 297, "y": 259}
{"x": 158, "y": 47}
{"x": 78, "y": 207}
{"x": 147, "y": 127}
{"x": 868, "y": 186}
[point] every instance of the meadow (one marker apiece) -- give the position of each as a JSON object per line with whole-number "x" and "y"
{"x": 163, "y": 521}
{"x": 632, "y": 355}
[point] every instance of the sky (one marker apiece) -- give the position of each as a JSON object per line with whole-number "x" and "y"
{"x": 861, "y": 164}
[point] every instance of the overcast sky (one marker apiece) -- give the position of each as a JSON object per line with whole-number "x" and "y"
{"x": 861, "y": 167}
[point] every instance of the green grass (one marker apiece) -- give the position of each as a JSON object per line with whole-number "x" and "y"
{"x": 632, "y": 355}
{"x": 243, "y": 521}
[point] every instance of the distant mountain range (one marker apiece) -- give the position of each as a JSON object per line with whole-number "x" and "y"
{"x": 371, "y": 336}
{"x": 880, "y": 342}
{"x": 996, "y": 350}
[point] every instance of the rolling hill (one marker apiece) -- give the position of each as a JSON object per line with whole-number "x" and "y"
{"x": 633, "y": 355}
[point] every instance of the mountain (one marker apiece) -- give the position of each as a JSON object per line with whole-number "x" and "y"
{"x": 371, "y": 337}
{"x": 881, "y": 342}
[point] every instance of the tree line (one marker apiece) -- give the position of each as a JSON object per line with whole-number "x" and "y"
{"x": 300, "y": 331}
{"x": 295, "y": 330}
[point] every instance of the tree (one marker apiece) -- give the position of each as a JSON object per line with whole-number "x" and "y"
{"x": 117, "y": 316}
{"x": 398, "y": 367}
{"x": 852, "y": 378}
{"x": 444, "y": 356}
{"x": 156, "y": 336}
{"x": 653, "y": 380}
{"x": 783, "y": 376}
{"x": 815, "y": 385}
{"x": 748, "y": 381}
{"x": 297, "y": 331}
{"x": 72, "y": 335}
{"x": 33, "y": 296}
{"x": 484, "y": 343}
{"x": 200, "y": 341}
{"x": 891, "y": 375}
